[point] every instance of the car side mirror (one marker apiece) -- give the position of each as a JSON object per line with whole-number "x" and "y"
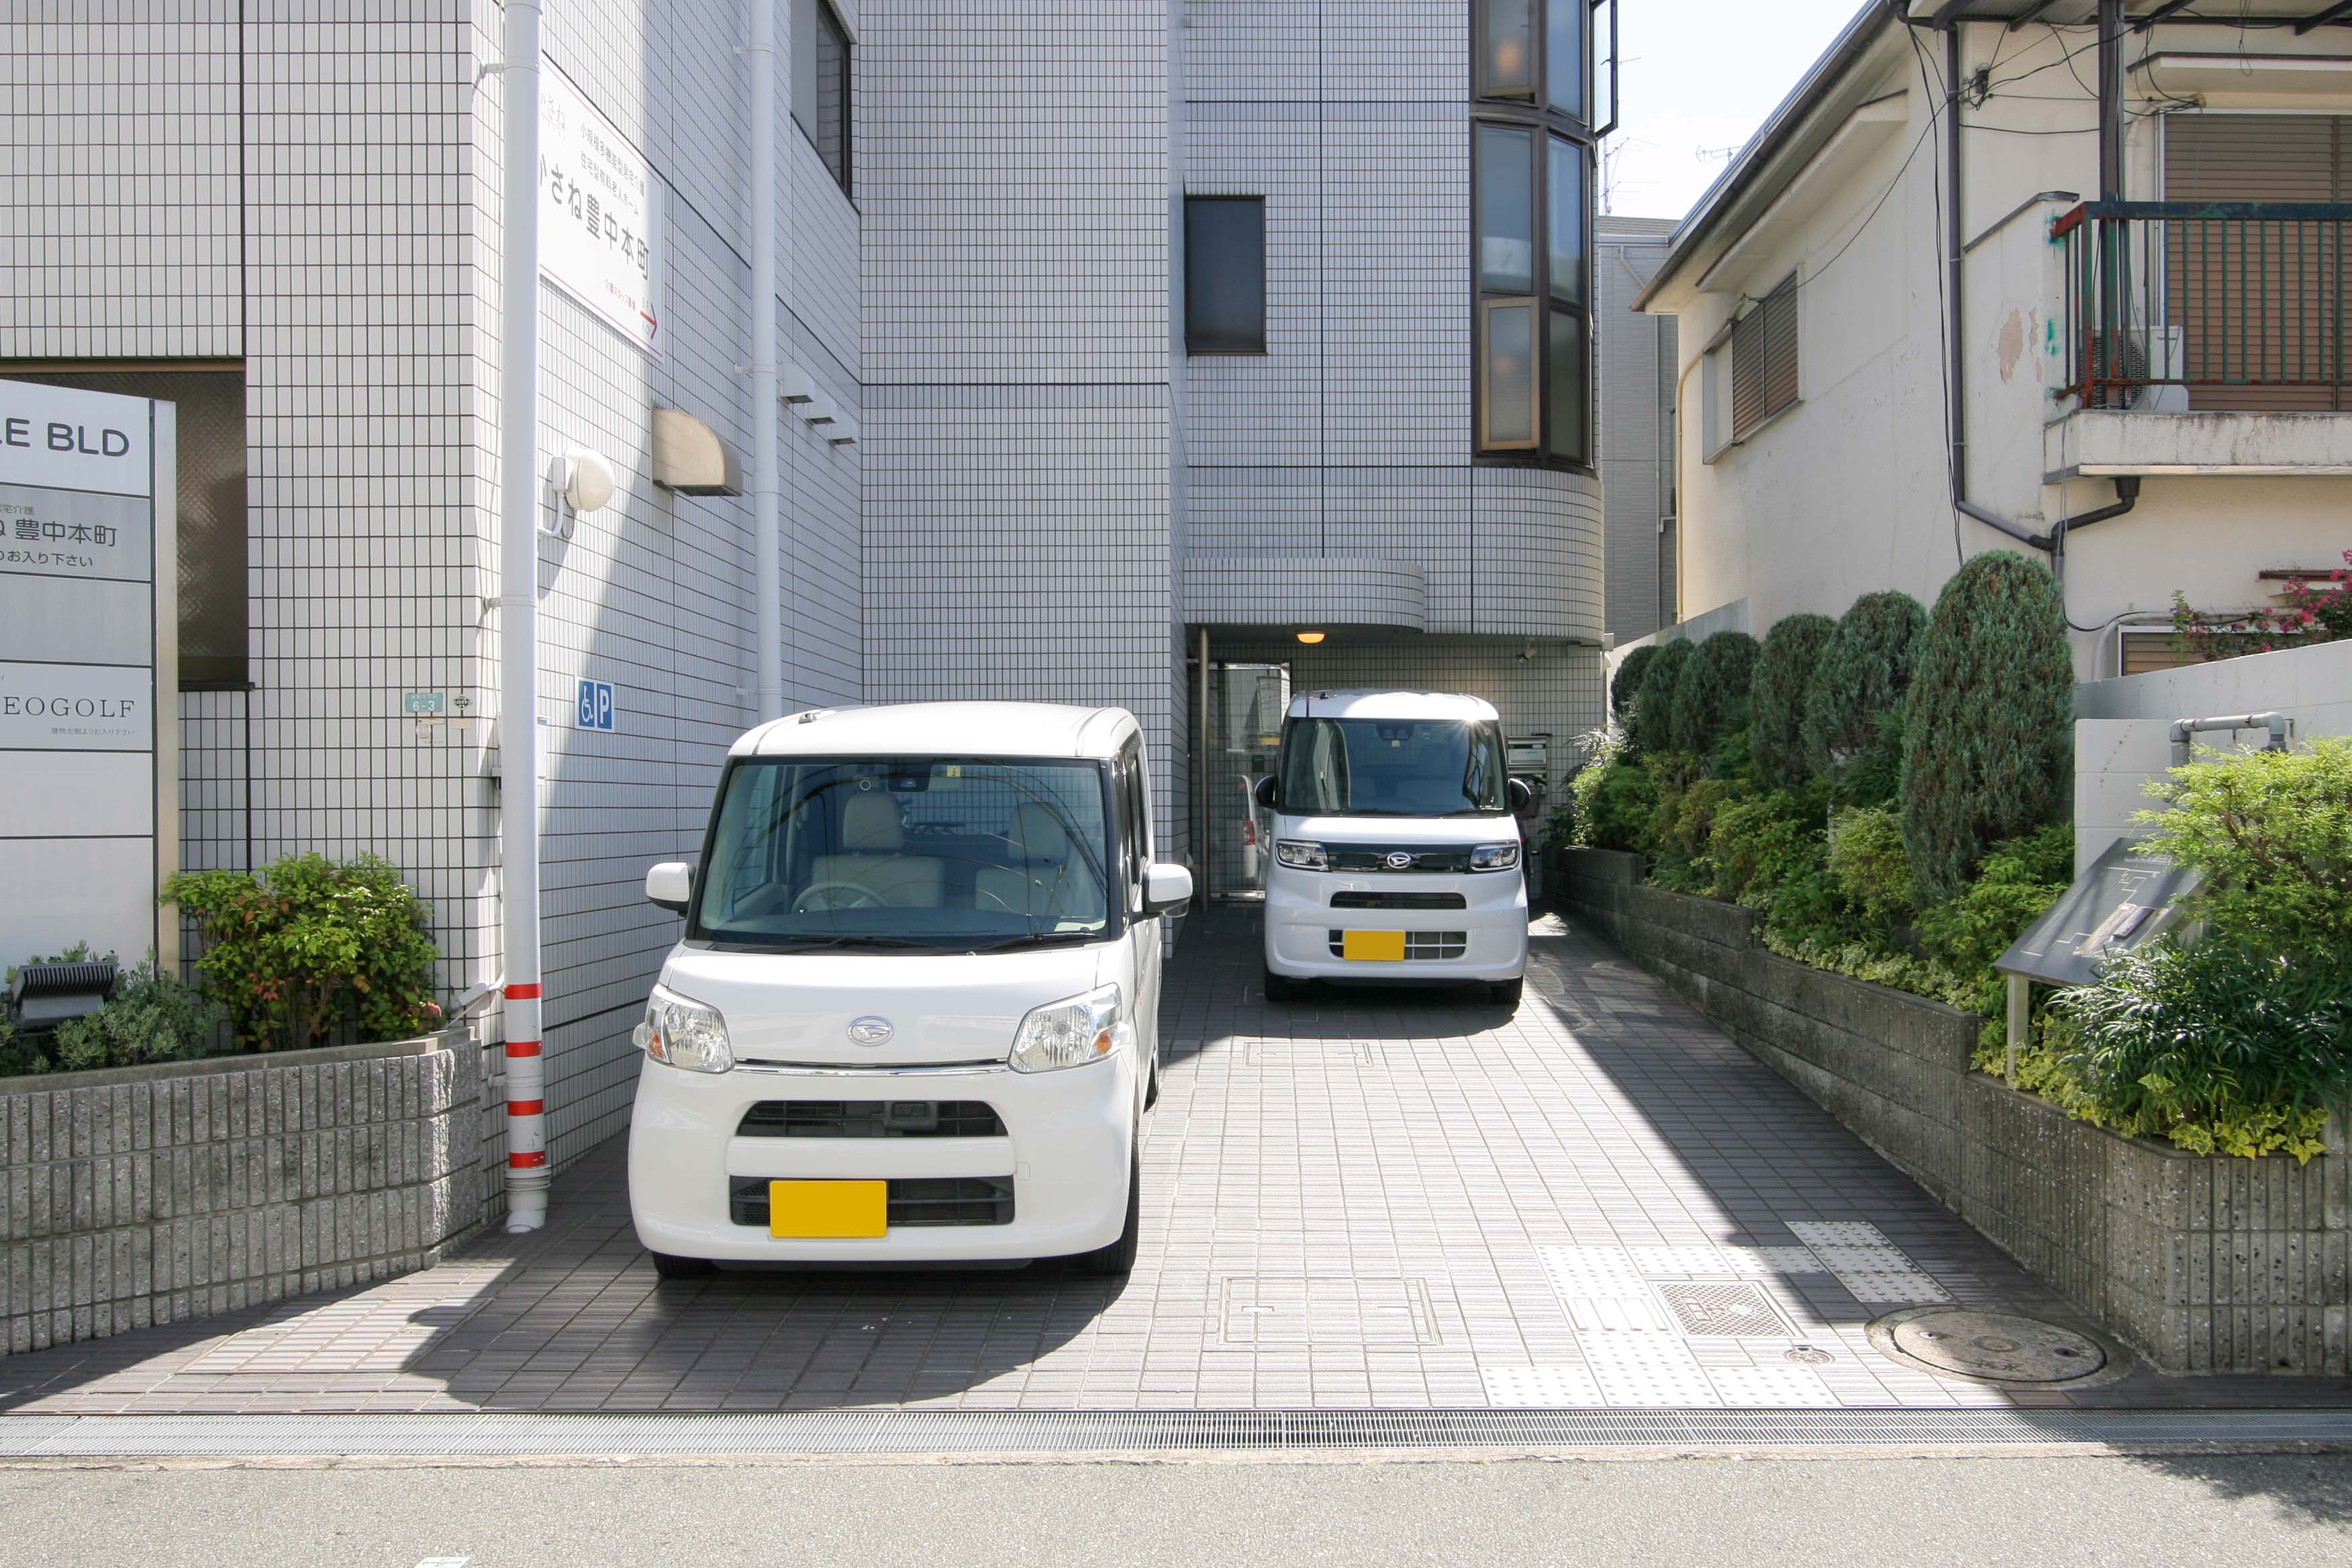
{"x": 1265, "y": 793}
{"x": 1523, "y": 798}
{"x": 670, "y": 885}
{"x": 1167, "y": 889}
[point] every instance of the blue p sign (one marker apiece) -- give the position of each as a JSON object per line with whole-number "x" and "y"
{"x": 595, "y": 706}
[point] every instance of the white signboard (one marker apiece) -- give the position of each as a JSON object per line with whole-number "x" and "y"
{"x": 87, "y": 823}
{"x": 599, "y": 214}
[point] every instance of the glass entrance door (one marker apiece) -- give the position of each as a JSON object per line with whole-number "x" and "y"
{"x": 1245, "y": 707}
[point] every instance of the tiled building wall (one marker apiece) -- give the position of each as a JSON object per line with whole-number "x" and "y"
{"x": 1014, "y": 183}
{"x": 366, "y": 228}
{"x": 1350, "y": 435}
{"x": 655, "y": 593}
{"x": 1634, "y": 400}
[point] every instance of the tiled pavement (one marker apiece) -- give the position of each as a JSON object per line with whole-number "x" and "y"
{"x": 1377, "y": 1198}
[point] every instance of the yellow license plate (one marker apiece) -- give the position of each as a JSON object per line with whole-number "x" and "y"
{"x": 1385, "y": 946}
{"x": 822, "y": 1210}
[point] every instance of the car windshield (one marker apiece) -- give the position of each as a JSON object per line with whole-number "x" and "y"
{"x": 936, "y": 854}
{"x": 1390, "y": 767}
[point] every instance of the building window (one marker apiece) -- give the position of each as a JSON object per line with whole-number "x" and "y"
{"x": 1531, "y": 228}
{"x": 1224, "y": 275}
{"x": 821, "y": 83}
{"x": 1764, "y": 359}
{"x": 210, "y": 416}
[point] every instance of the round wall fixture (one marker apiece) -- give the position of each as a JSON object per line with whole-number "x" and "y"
{"x": 1310, "y": 638}
{"x": 584, "y": 479}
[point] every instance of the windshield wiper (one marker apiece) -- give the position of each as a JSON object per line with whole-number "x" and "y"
{"x": 824, "y": 943}
{"x": 1039, "y": 938}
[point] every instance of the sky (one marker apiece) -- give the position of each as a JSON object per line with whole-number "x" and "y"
{"x": 1696, "y": 78}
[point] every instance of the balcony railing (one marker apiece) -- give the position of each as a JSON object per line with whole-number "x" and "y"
{"x": 2175, "y": 306}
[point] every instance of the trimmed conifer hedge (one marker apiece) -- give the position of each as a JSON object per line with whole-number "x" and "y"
{"x": 1784, "y": 674}
{"x": 1711, "y": 691}
{"x": 1863, "y": 672}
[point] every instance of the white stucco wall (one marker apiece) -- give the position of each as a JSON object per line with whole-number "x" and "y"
{"x": 1847, "y": 491}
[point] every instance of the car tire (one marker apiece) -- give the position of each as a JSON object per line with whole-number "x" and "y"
{"x": 1507, "y": 992}
{"x": 1115, "y": 1261}
{"x": 671, "y": 1267}
{"x": 1151, "y": 1090}
{"x": 1280, "y": 987}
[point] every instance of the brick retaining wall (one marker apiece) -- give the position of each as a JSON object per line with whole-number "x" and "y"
{"x": 2199, "y": 1264}
{"x": 148, "y": 1194}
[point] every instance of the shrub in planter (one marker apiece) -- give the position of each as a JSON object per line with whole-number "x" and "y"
{"x": 1711, "y": 692}
{"x": 150, "y": 1018}
{"x": 1987, "y": 741}
{"x": 1863, "y": 672}
{"x": 2219, "y": 1046}
{"x": 1625, "y": 686}
{"x": 1653, "y": 700}
{"x": 1784, "y": 674}
{"x": 313, "y": 944}
{"x": 1865, "y": 855}
{"x": 1759, "y": 843}
{"x": 2271, "y": 832}
{"x": 1615, "y": 799}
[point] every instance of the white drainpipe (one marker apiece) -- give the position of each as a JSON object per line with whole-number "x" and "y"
{"x": 767, "y": 481}
{"x": 519, "y": 500}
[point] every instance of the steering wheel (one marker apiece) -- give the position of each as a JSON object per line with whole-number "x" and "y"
{"x": 837, "y": 896}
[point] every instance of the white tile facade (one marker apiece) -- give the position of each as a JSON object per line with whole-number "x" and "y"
{"x": 317, "y": 197}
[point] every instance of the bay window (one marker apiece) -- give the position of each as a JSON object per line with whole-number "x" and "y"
{"x": 1531, "y": 158}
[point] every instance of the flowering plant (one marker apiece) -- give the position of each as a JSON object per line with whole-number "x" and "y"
{"x": 2311, "y": 610}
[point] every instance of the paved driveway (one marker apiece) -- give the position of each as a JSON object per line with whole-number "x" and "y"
{"x": 1372, "y": 1199}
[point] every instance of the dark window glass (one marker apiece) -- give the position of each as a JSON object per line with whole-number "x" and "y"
{"x": 1506, "y": 210}
{"x": 1565, "y": 22}
{"x": 1507, "y": 47}
{"x": 909, "y": 854}
{"x": 821, "y": 83}
{"x": 212, "y": 579}
{"x": 1224, "y": 275}
{"x": 1564, "y": 218}
{"x": 1383, "y": 767}
{"x": 1568, "y": 366}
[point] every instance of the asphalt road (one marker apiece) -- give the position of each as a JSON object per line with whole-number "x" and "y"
{"x": 1754, "y": 1514}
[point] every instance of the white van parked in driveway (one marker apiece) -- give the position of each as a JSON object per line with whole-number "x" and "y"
{"x": 1397, "y": 855}
{"x": 915, "y": 1014}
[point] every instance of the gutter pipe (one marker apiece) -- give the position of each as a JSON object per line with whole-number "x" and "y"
{"x": 767, "y": 459}
{"x": 2053, "y": 542}
{"x": 518, "y": 503}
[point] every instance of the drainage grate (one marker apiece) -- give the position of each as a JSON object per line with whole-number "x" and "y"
{"x": 915, "y": 1432}
{"x": 1724, "y": 1311}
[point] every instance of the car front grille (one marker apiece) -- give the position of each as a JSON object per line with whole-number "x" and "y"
{"x": 1419, "y": 945}
{"x": 912, "y": 1202}
{"x": 1399, "y": 901}
{"x": 870, "y": 1119}
{"x": 1453, "y": 857}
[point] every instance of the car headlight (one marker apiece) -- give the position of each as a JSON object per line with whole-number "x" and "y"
{"x": 684, "y": 1033}
{"x": 1299, "y": 853}
{"x": 1069, "y": 1034}
{"x": 1495, "y": 856}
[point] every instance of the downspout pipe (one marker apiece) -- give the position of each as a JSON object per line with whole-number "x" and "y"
{"x": 767, "y": 457}
{"x": 519, "y": 503}
{"x": 2052, "y": 543}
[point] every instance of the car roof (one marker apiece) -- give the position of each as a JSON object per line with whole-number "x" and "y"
{"x": 944, "y": 730}
{"x": 1392, "y": 705}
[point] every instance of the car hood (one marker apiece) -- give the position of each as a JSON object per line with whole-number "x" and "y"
{"x": 941, "y": 1008}
{"x": 1399, "y": 829}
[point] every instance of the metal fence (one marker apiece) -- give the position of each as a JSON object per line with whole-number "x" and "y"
{"x": 2174, "y": 306}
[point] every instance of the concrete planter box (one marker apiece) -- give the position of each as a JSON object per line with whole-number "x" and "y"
{"x": 148, "y": 1194}
{"x": 2199, "y": 1264}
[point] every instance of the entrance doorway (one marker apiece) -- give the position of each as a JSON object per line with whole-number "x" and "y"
{"x": 1245, "y": 708}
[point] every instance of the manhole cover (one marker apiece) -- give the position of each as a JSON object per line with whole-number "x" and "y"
{"x": 1807, "y": 1356}
{"x": 1996, "y": 1345}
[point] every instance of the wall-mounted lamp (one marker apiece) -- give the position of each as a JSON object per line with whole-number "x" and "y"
{"x": 1310, "y": 638}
